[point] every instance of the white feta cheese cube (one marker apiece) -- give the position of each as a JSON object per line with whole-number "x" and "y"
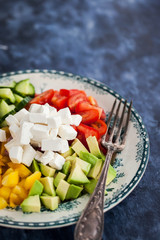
{"x": 37, "y": 118}
{"x": 67, "y": 132}
{"x": 53, "y": 132}
{"x": 28, "y": 155}
{"x": 25, "y": 119}
{"x": 21, "y": 114}
{"x": 39, "y": 132}
{"x": 35, "y": 143}
{"x": 11, "y": 119}
{"x": 54, "y": 121}
{"x": 34, "y": 108}
{"x": 57, "y": 145}
{"x": 15, "y": 154}
{"x": 38, "y": 156}
{"x": 47, "y": 157}
{"x": 10, "y": 144}
{"x": 13, "y": 130}
{"x": 57, "y": 162}
{"x": 24, "y": 133}
{"x": 45, "y": 110}
{"x": 53, "y": 110}
{"x": 2, "y": 136}
{"x": 65, "y": 115}
{"x": 76, "y": 119}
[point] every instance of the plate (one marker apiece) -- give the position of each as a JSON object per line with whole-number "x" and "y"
{"x": 130, "y": 163}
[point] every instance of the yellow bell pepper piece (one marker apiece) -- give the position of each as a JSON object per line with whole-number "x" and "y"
{"x": 5, "y": 192}
{"x": 12, "y": 165}
{"x": 21, "y": 183}
{"x": 2, "y": 148}
{"x": 0, "y": 180}
{"x": 14, "y": 200}
{"x": 11, "y": 179}
{"x": 31, "y": 179}
{"x": 0, "y": 170}
{"x": 3, "y": 203}
{"x": 9, "y": 170}
{"x": 23, "y": 171}
{"x": 20, "y": 192}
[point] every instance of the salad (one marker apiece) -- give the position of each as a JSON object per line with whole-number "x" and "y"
{"x": 50, "y": 146}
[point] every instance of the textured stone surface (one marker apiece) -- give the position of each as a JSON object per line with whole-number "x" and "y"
{"x": 115, "y": 42}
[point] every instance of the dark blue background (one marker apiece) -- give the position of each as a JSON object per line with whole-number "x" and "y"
{"x": 116, "y": 42}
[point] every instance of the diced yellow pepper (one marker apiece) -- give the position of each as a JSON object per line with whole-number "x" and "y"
{"x": 0, "y": 180}
{"x": 21, "y": 183}
{"x": 5, "y": 159}
{"x": 20, "y": 192}
{"x": 2, "y": 148}
{"x": 14, "y": 200}
{"x": 12, "y": 165}
{"x": 23, "y": 171}
{"x": 3, "y": 203}
{"x": 31, "y": 179}
{"x": 0, "y": 170}
{"x": 5, "y": 192}
{"x": 9, "y": 170}
{"x": 11, "y": 179}
{"x": 0, "y": 156}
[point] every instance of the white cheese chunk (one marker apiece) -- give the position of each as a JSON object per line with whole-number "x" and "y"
{"x": 34, "y": 108}
{"x": 21, "y": 114}
{"x": 37, "y": 118}
{"x": 13, "y": 130}
{"x": 15, "y": 154}
{"x": 57, "y": 145}
{"x": 45, "y": 110}
{"x": 76, "y": 119}
{"x": 2, "y": 136}
{"x": 11, "y": 120}
{"x": 39, "y": 132}
{"x": 47, "y": 157}
{"x": 28, "y": 155}
{"x": 54, "y": 121}
{"x": 25, "y": 119}
{"x": 11, "y": 143}
{"x": 53, "y": 133}
{"x": 67, "y": 132}
{"x": 53, "y": 110}
{"x": 24, "y": 133}
{"x": 65, "y": 115}
{"x": 57, "y": 162}
{"x": 38, "y": 156}
{"x": 35, "y": 143}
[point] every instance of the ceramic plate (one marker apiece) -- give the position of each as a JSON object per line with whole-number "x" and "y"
{"x": 129, "y": 164}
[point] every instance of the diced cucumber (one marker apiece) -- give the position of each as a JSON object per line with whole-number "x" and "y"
{"x": 4, "y": 108}
{"x": 24, "y": 87}
{"x": 6, "y": 93}
{"x": 18, "y": 98}
{"x": 23, "y": 103}
{"x": 13, "y": 84}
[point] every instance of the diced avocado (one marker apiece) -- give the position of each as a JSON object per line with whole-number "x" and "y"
{"x": 31, "y": 204}
{"x": 73, "y": 192}
{"x": 96, "y": 169}
{"x": 47, "y": 171}
{"x": 45, "y": 194}
{"x": 50, "y": 202}
{"x": 12, "y": 84}
{"x": 18, "y": 98}
{"x": 111, "y": 175}
{"x": 68, "y": 153}
{"x": 70, "y": 158}
{"x": 6, "y": 93}
{"x": 88, "y": 157}
{"x": 89, "y": 187}
{"x": 66, "y": 167}
{"x": 62, "y": 189}
{"x": 77, "y": 146}
{"x": 35, "y": 166}
{"x": 48, "y": 185}
{"x": 36, "y": 189}
{"x": 77, "y": 176}
{"x": 58, "y": 178}
{"x": 94, "y": 146}
{"x": 85, "y": 166}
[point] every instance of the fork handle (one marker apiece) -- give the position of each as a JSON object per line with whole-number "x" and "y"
{"x": 90, "y": 224}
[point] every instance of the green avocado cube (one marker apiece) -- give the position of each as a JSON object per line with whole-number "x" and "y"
{"x": 35, "y": 166}
{"x": 50, "y": 202}
{"x": 77, "y": 146}
{"x": 96, "y": 169}
{"x": 85, "y": 166}
{"x": 68, "y": 153}
{"x": 36, "y": 189}
{"x": 77, "y": 176}
{"x": 58, "y": 178}
{"x": 66, "y": 167}
{"x": 88, "y": 157}
{"x": 31, "y": 204}
{"x": 48, "y": 185}
{"x": 73, "y": 192}
{"x": 47, "y": 171}
{"x": 62, "y": 189}
{"x": 89, "y": 187}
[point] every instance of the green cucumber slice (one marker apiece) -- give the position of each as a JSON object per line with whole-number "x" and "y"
{"x": 18, "y": 98}
{"x": 6, "y": 93}
{"x": 24, "y": 87}
{"x": 23, "y": 103}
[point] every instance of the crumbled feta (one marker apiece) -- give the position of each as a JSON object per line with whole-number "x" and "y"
{"x": 47, "y": 157}
{"x": 53, "y": 133}
{"x": 37, "y": 118}
{"x": 38, "y": 156}
{"x": 24, "y": 134}
{"x": 11, "y": 119}
{"x": 57, "y": 162}
{"x": 57, "y": 145}
{"x": 34, "y": 108}
{"x": 28, "y": 155}
{"x": 2, "y": 136}
{"x": 67, "y": 132}
{"x": 21, "y": 114}
{"x": 15, "y": 154}
{"x": 39, "y": 132}
{"x": 65, "y": 115}
{"x": 54, "y": 121}
{"x": 76, "y": 119}
{"x": 13, "y": 130}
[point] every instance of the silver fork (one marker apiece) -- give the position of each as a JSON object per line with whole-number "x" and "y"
{"x": 91, "y": 222}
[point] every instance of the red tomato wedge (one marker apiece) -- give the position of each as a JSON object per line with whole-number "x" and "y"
{"x": 59, "y": 101}
{"x": 89, "y": 116}
{"x": 74, "y": 99}
{"x": 92, "y": 101}
{"x": 68, "y": 93}
{"x": 43, "y": 98}
{"x": 87, "y": 131}
{"x": 84, "y": 105}
{"x": 103, "y": 115}
{"x": 100, "y": 126}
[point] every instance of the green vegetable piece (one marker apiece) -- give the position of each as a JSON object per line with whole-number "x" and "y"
{"x": 85, "y": 166}
{"x": 66, "y": 167}
{"x": 35, "y": 166}
{"x": 73, "y": 192}
{"x": 36, "y": 189}
{"x": 111, "y": 175}
{"x": 62, "y": 189}
{"x": 50, "y": 202}
{"x": 31, "y": 204}
{"x": 77, "y": 146}
{"x": 67, "y": 153}
{"x": 47, "y": 171}
{"x": 6, "y": 93}
{"x": 94, "y": 146}
{"x": 58, "y": 178}
{"x": 88, "y": 157}
{"x": 77, "y": 176}
{"x": 89, "y": 187}
{"x": 96, "y": 169}
{"x": 18, "y": 98}
{"x": 48, "y": 185}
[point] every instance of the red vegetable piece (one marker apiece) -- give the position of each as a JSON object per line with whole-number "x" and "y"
{"x": 74, "y": 99}
{"x": 103, "y": 115}
{"x": 100, "y": 126}
{"x": 89, "y": 116}
{"x": 84, "y": 105}
{"x": 43, "y": 98}
{"x": 92, "y": 101}
{"x": 87, "y": 131}
{"x": 59, "y": 101}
